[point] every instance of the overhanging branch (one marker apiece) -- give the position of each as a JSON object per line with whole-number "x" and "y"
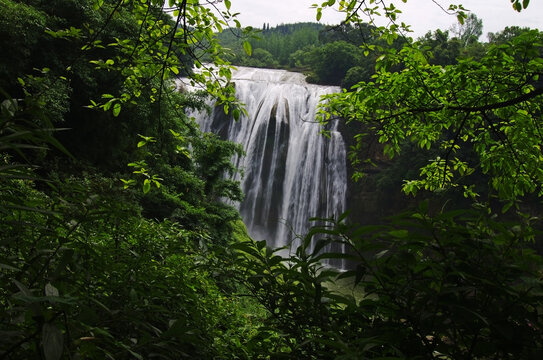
{"x": 474, "y": 109}
{"x": 469, "y": 109}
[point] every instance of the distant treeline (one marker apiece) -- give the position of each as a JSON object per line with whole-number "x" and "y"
{"x": 338, "y": 55}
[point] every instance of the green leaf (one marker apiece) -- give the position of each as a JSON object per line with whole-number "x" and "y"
{"x": 116, "y": 109}
{"x": 107, "y": 105}
{"x": 343, "y": 216}
{"x": 507, "y": 206}
{"x": 146, "y": 186}
{"x": 236, "y": 114}
{"x": 460, "y": 19}
{"x": 53, "y": 341}
{"x": 128, "y": 183}
{"x": 399, "y": 233}
{"x": 135, "y": 354}
{"x": 227, "y": 3}
{"x": 247, "y": 47}
{"x": 9, "y": 106}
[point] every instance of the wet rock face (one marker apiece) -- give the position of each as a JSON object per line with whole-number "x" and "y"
{"x": 292, "y": 172}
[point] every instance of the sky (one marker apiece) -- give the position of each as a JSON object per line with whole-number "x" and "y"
{"x": 422, "y": 15}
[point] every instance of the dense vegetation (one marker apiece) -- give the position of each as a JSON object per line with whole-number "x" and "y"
{"x": 89, "y": 269}
{"x": 324, "y": 53}
{"x": 271, "y": 47}
{"x": 115, "y": 241}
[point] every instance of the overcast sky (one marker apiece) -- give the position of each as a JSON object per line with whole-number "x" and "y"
{"x": 422, "y": 15}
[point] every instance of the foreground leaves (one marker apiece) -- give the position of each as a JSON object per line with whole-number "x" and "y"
{"x": 457, "y": 285}
{"x": 95, "y": 280}
{"x": 479, "y": 118}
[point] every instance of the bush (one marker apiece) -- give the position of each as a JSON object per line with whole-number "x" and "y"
{"x": 458, "y": 285}
{"x": 84, "y": 275}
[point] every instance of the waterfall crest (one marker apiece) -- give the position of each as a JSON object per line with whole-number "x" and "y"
{"x": 291, "y": 171}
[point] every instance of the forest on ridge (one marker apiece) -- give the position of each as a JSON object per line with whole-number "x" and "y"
{"x": 118, "y": 239}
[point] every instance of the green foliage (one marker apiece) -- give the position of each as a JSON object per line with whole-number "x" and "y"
{"x": 118, "y": 57}
{"x": 488, "y": 106}
{"x": 507, "y": 34}
{"x": 331, "y": 61}
{"x": 324, "y": 53}
{"x": 90, "y": 270}
{"x": 355, "y": 75}
{"x": 440, "y": 49}
{"x": 454, "y": 285}
{"x": 518, "y": 6}
{"x": 361, "y": 34}
{"x": 88, "y": 278}
{"x": 52, "y": 95}
{"x": 84, "y": 272}
{"x": 272, "y": 47}
{"x": 21, "y": 26}
{"x": 261, "y": 58}
{"x": 186, "y": 177}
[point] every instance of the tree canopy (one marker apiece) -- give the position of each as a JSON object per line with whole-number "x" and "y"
{"x": 482, "y": 114}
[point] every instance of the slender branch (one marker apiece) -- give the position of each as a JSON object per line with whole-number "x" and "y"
{"x": 442, "y": 8}
{"x": 98, "y": 33}
{"x": 499, "y": 105}
{"x": 183, "y": 6}
{"x": 130, "y": 57}
{"x": 351, "y": 15}
{"x": 455, "y": 140}
{"x": 470, "y": 109}
{"x": 505, "y": 140}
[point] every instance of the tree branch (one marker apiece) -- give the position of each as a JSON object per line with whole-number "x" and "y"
{"x": 473, "y": 109}
{"x": 470, "y": 109}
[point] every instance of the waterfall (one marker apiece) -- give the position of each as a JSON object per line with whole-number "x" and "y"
{"x": 291, "y": 171}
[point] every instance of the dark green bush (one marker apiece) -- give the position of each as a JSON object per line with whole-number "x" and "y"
{"x": 458, "y": 285}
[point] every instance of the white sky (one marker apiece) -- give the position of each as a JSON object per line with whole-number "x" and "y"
{"x": 422, "y": 15}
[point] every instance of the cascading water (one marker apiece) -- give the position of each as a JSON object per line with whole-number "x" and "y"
{"x": 291, "y": 171}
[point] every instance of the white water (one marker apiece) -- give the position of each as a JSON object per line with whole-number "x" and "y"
{"x": 292, "y": 171}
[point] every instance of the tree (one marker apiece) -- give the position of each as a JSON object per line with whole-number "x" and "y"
{"x": 489, "y": 106}
{"x": 356, "y": 34}
{"x": 331, "y": 61}
{"x": 450, "y": 107}
{"x": 469, "y": 31}
{"x": 509, "y": 33}
{"x": 442, "y": 50}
